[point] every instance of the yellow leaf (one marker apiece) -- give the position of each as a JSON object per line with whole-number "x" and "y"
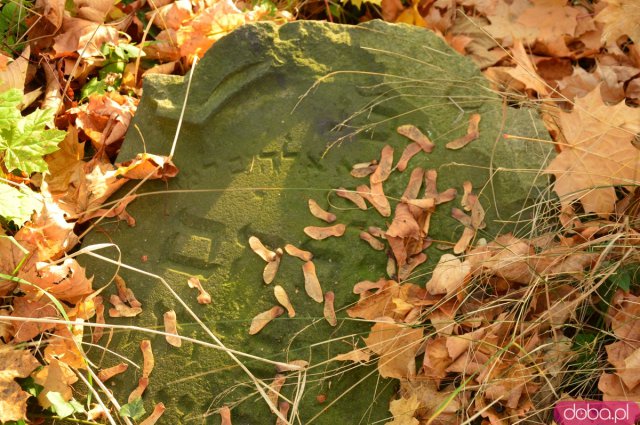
{"x": 403, "y": 410}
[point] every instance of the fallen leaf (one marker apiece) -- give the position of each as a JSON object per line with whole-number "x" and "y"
{"x": 409, "y": 152}
{"x": 620, "y": 18}
{"x": 372, "y": 241}
{"x": 171, "y": 327}
{"x": 147, "y": 166}
{"x": 261, "y": 320}
{"x": 66, "y": 345}
{"x": 297, "y": 252}
{"x": 283, "y": 299}
{"x": 397, "y": 347}
{"x": 28, "y": 308}
{"x": 15, "y": 364}
{"x": 448, "y": 276}
{"x": 319, "y": 233}
{"x": 203, "y": 296}
{"x": 82, "y": 37}
{"x": 311, "y": 282}
{"x": 318, "y": 212}
{"x": 329, "y": 311}
{"x": 264, "y": 253}
{"x": 270, "y": 270}
{"x": 352, "y": 196}
{"x": 403, "y": 411}
{"x": 158, "y": 410}
{"x": 415, "y": 135}
{"x": 384, "y": 166}
{"x": 106, "y": 374}
{"x": 472, "y": 134}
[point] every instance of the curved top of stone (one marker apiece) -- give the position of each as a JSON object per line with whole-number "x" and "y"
{"x": 275, "y": 116}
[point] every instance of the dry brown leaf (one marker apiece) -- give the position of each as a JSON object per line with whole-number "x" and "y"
{"x": 283, "y": 299}
{"x": 465, "y": 240}
{"x": 66, "y": 281}
{"x": 82, "y": 37}
{"x": 121, "y": 309}
{"x": 329, "y": 310}
{"x": 28, "y": 308}
{"x": 404, "y": 410}
{"x": 137, "y": 392}
{"x": 598, "y": 155}
{"x": 318, "y": 212}
{"x": 66, "y": 164}
{"x": 311, "y": 282}
{"x": 270, "y": 270}
{"x": 404, "y": 225}
{"x": 406, "y": 269}
{"x": 171, "y": 327}
{"x": 146, "y": 166}
{"x": 15, "y": 364}
{"x": 225, "y": 415}
{"x": 359, "y": 355}
{"x": 384, "y": 167}
{"x": 372, "y": 241}
{"x": 66, "y": 345}
{"x": 298, "y": 253}
{"x": 264, "y": 253}
{"x": 319, "y": 233}
{"x": 472, "y": 134}
{"x": 367, "y": 285}
{"x": 203, "y": 296}
{"x": 55, "y": 377}
{"x": 448, "y": 276}
{"x": 397, "y": 347}
{"x": 415, "y": 135}
{"x": 273, "y": 393}
{"x": 261, "y": 320}
{"x": 353, "y": 197}
{"x": 158, "y": 410}
{"x": 620, "y": 17}
{"x": 108, "y": 373}
{"x": 409, "y": 152}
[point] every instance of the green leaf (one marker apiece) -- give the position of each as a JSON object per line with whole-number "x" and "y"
{"x": 134, "y": 410}
{"x": 30, "y": 386}
{"x": 26, "y": 140}
{"x": 9, "y": 113}
{"x": 59, "y": 405}
{"x": 18, "y": 203}
{"x": 94, "y": 86}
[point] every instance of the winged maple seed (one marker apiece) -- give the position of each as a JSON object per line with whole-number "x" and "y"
{"x": 364, "y": 169}
{"x": 311, "y": 282}
{"x": 121, "y": 309}
{"x": 318, "y": 212}
{"x": 264, "y": 253}
{"x": 372, "y": 241}
{"x": 298, "y": 253}
{"x": 472, "y": 134}
{"x": 409, "y": 152}
{"x": 155, "y": 415}
{"x": 283, "y": 299}
{"x": 106, "y": 374}
{"x": 384, "y": 167}
{"x": 203, "y": 296}
{"x": 329, "y": 310}
{"x": 225, "y": 415}
{"x": 414, "y": 134}
{"x": 352, "y": 196}
{"x": 283, "y": 408}
{"x": 171, "y": 327}
{"x": 319, "y": 233}
{"x": 271, "y": 268}
{"x": 261, "y": 320}
{"x": 274, "y": 388}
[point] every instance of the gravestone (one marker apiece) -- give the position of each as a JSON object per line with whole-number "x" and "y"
{"x": 275, "y": 116}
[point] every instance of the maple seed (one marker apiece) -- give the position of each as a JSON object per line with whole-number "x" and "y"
{"x": 329, "y": 311}
{"x": 121, "y": 309}
{"x": 283, "y": 408}
{"x": 319, "y": 233}
{"x": 352, "y": 196}
{"x": 106, "y": 374}
{"x": 384, "y": 168}
{"x": 261, "y": 320}
{"x": 148, "y": 361}
{"x": 363, "y": 169}
{"x": 283, "y": 298}
{"x": 318, "y": 212}
{"x": 311, "y": 282}
{"x": 298, "y": 253}
{"x": 203, "y": 297}
{"x": 126, "y": 294}
{"x": 225, "y": 415}
{"x": 371, "y": 240}
{"x": 271, "y": 268}
{"x": 257, "y": 247}
{"x": 412, "y": 133}
{"x": 171, "y": 327}
{"x": 472, "y": 134}
{"x": 158, "y": 410}
{"x": 274, "y": 389}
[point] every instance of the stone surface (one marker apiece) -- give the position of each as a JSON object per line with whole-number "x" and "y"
{"x": 250, "y": 157}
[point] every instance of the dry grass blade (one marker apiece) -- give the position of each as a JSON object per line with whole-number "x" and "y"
{"x": 171, "y": 327}
{"x": 311, "y": 282}
{"x": 262, "y": 319}
{"x": 320, "y": 213}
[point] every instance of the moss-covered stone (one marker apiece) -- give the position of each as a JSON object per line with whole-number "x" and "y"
{"x": 252, "y": 150}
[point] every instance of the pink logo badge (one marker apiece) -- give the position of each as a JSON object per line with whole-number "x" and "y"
{"x": 596, "y": 413}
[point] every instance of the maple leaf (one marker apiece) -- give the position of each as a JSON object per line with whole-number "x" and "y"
{"x": 17, "y": 203}
{"x": 15, "y": 364}
{"x": 403, "y": 410}
{"x": 599, "y": 153}
{"x": 397, "y": 346}
{"x": 55, "y": 377}
{"x": 620, "y": 17}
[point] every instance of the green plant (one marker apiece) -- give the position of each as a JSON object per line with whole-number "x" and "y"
{"x": 110, "y": 75}
{"x": 12, "y": 24}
